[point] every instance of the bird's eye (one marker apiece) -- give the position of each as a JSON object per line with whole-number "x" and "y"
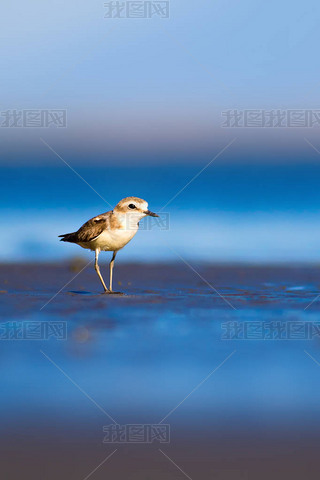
{"x": 132, "y": 206}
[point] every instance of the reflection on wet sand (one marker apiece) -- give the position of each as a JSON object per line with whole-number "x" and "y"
{"x": 239, "y": 407}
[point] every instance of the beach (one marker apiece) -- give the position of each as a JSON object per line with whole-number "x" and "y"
{"x": 177, "y": 140}
{"x": 189, "y": 348}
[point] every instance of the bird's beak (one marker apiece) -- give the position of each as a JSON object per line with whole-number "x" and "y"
{"x": 151, "y": 214}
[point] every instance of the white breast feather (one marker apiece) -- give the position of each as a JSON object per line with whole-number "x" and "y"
{"x": 111, "y": 240}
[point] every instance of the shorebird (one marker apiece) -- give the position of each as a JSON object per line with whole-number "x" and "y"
{"x": 110, "y": 231}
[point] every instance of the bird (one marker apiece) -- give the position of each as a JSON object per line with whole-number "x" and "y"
{"x": 110, "y": 231}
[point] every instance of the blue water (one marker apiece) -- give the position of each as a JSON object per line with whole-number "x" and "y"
{"x": 159, "y": 353}
{"x": 254, "y": 213}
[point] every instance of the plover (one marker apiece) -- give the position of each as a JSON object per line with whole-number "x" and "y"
{"x": 110, "y": 231}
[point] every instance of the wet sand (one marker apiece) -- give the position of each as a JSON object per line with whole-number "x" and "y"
{"x": 207, "y": 286}
{"x": 237, "y": 408}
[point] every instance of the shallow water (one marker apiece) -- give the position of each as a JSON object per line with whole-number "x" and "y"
{"x": 238, "y": 408}
{"x": 231, "y": 213}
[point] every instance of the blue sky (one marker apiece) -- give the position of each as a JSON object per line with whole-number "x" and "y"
{"x": 150, "y": 93}
{"x": 141, "y": 87}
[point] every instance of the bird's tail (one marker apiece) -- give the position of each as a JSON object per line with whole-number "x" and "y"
{"x": 68, "y": 237}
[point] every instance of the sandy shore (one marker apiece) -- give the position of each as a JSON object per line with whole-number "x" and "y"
{"x": 238, "y": 408}
{"x": 141, "y": 283}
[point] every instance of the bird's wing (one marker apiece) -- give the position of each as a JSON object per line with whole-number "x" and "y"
{"x": 93, "y": 228}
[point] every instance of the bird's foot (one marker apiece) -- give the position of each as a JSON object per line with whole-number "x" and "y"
{"x": 111, "y": 292}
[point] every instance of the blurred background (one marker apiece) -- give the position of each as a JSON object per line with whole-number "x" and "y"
{"x": 144, "y": 104}
{"x": 210, "y": 111}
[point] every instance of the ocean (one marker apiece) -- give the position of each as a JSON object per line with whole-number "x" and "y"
{"x": 230, "y": 213}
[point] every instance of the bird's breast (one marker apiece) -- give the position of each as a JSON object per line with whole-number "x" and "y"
{"x": 114, "y": 239}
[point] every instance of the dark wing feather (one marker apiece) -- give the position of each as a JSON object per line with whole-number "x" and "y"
{"x": 68, "y": 237}
{"x": 89, "y": 230}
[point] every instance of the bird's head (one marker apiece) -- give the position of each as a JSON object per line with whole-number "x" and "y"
{"x": 134, "y": 208}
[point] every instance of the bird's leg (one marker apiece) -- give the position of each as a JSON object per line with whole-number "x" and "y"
{"x": 97, "y": 269}
{"x": 111, "y": 269}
